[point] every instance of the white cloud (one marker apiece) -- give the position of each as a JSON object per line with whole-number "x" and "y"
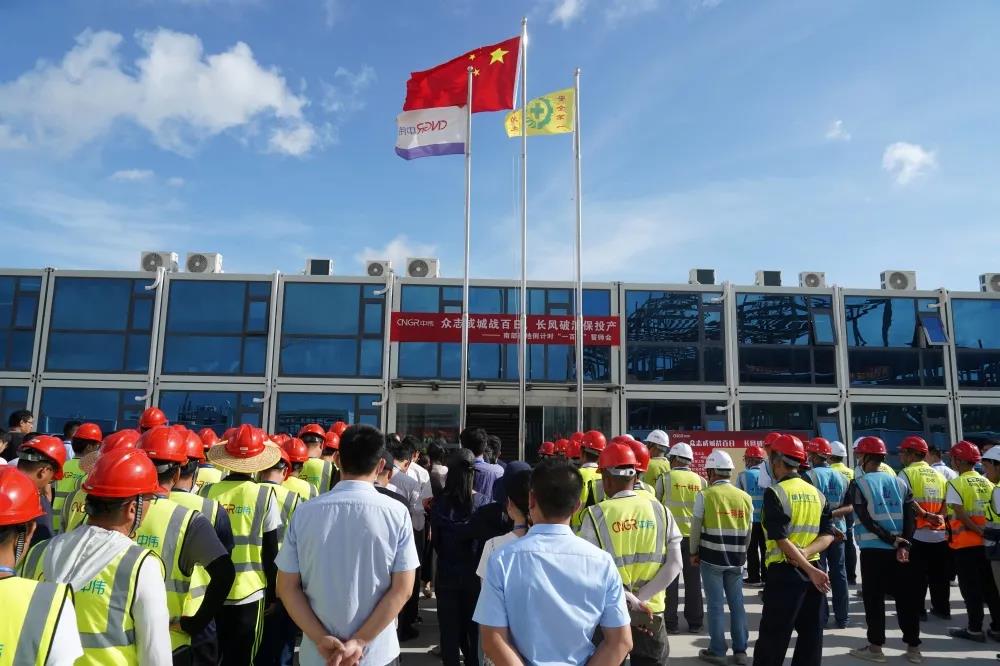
{"x": 132, "y": 175}
{"x": 175, "y": 181}
{"x": 566, "y": 11}
{"x": 907, "y": 161}
{"x": 397, "y": 251}
{"x": 836, "y": 132}
{"x": 175, "y": 91}
{"x": 332, "y": 11}
{"x": 345, "y": 95}
{"x": 622, "y": 9}
{"x": 294, "y": 141}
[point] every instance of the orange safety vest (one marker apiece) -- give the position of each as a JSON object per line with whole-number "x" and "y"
{"x": 976, "y": 492}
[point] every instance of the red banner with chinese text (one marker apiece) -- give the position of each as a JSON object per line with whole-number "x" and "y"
{"x": 502, "y": 328}
{"x": 733, "y": 442}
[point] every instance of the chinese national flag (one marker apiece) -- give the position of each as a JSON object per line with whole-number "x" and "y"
{"x": 493, "y": 77}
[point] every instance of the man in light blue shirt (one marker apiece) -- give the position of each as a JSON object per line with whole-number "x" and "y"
{"x": 545, "y": 594}
{"x": 348, "y": 562}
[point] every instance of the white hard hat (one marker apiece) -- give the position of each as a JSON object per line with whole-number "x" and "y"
{"x": 628, "y": 436}
{"x": 719, "y": 460}
{"x": 682, "y": 450}
{"x": 993, "y": 454}
{"x": 658, "y": 438}
{"x": 838, "y": 449}
{"x": 855, "y": 445}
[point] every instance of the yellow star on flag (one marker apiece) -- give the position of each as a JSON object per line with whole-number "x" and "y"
{"x": 472, "y": 56}
{"x": 497, "y": 55}
{"x": 475, "y": 72}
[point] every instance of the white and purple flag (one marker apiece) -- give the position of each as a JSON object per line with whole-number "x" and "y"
{"x": 431, "y": 132}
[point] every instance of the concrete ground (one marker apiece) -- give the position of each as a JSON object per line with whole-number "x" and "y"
{"x": 937, "y": 647}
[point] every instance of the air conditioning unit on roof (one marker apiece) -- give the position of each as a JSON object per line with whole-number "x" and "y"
{"x": 203, "y": 262}
{"x": 423, "y": 267}
{"x": 378, "y": 268}
{"x": 893, "y": 280}
{"x": 701, "y": 276}
{"x": 767, "y": 279}
{"x": 319, "y": 267}
{"x": 151, "y": 260}
{"x": 990, "y": 282}
{"x": 812, "y": 279}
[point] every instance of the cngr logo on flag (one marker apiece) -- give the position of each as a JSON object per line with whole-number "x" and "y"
{"x": 424, "y": 127}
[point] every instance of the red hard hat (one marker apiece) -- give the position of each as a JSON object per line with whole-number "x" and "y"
{"x": 151, "y": 418}
{"x": 574, "y": 448}
{"x": 19, "y": 499}
{"x": 195, "y": 447}
{"x": 122, "y": 473}
{"x": 297, "y": 450}
{"x": 616, "y": 455}
{"x": 288, "y": 461}
{"x": 562, "y": 447}
{"x": 331, "y": 440}
{"x": 547, "y": 449}
{"x": 790, "y": 446}
{"x": 246, "y": 443}
{"x": 90, "y": 432}
{"x": 280, "y": 438}
{"x": 179, "y": 427}
{"x": 312, "y": 429}
{"x": 966, "y": 452}
{"x": 594, "y": 440}
{"x": 228, "y": 434}
{"x": 755, "y": 452}
{"x": 819, "y": 446}
{"x": 914, "y": 443}
{"x": 577, "y": 436}
{"x": 770, "y": 438}
{"x": 123, "y": 439}
{"x": 870, "y": 445}
{"x": 641, "y": 454}
{"x": 165, "y": 445}
{"x": 339, "y": 427}
{"x": 51, "y": 448}
{"x": 208, "y": 438}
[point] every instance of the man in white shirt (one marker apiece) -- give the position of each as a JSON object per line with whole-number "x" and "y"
{"x": 938, "y": 465}
{"x": 407, "y": 482}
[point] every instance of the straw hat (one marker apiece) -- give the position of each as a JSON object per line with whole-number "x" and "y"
{"x": 246, "y": 452}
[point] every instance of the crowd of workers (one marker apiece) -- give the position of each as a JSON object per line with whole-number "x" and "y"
{"x": 159, "y": 545}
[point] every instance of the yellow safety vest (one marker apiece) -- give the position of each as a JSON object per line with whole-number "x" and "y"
{"x": 634, "y": 531}
{"x": 677, "y": 490}
{"x": 288, "y": 501}
{"x": 657, "y": 468}
{"x": 300, "y": 487}
{"x": 199, "y": 577}
{"x": 246, "y": 503}
{"x": 73, "y": 476}
{"x": 163, "y": 531}
{"x": 319, "y": 474}
{"x": 928, "y": 488}
{"x": 976, "y": 492}
{"x": 103, "y": 606}
{"x": 207, "y": 475}
{"x": 74, "y": 511}
{"x": 803, "y": 503}
{"x": 29, "y": 620}
{"x": 725, "y": 526}
{"x": 590, "y": 476}
{"x": 844, "y": 469}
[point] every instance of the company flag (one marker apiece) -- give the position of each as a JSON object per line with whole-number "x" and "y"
{"x": 548, "y": 114}
{"x": 431, "y": 132}
{"x": 494, "y": 75}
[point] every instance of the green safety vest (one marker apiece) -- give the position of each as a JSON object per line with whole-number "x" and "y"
{"x": 103, "y": 606}
{"x": 288, "y": 501}
{"x": 199, "y": 577}
{"x": 657, "y": 468}
{"x": 843, "y": 469}
{"x": 29, "y": 619}
{"x": 206, "y": 475}
{"x": 74, "y": 511}
{"x": 318, "y": 473}
{"x": 163, "y": 531}
{"x": 246, "y": 503}
{"x": 590, "y": 475}
{"x": 73, "y": 476}
{"x": 677, "y": 490}
{"x": 633, "y": 530}
{"x": 300, "y": 487}
{"x": 725, "y": 525}
{"x": 803, "y": 503}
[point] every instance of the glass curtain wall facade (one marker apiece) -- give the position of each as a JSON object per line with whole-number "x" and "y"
{"x": 283, "y": 350}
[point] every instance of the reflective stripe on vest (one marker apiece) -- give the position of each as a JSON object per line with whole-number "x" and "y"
{"x": 884, "y": 500}
{"x": 199, "y": 577}
{"x": 104, "y": 606}
{"x": 206, "y": 507}
{"x": 288, "y": 501}
{"x": 207, "y": 475}
{"x": 657, "y": 468}
{"x": 725, "y": 525}
{"x": 319, "y": 474}
{"x": 72, "y": 478}
{"x": 834, "y": 487}
{"x": 749, "y": 481}
{"x": 29, "y": 619}
{"x": 246, "y": 503}
{"x": 589, "y": 475}
{"x": 928, "y": 488}
{"x": 302, "y": 488}
{"x": 623, "y": 527}
{"x": 803, "y": 504}
{"x": 74, "y": 511}
{"x": 163, "y": 531}
{"x": 976, "y": 492}
{"x": 677, "y": 490}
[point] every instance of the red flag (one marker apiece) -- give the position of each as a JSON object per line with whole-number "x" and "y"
{"x": 493, "y": 78}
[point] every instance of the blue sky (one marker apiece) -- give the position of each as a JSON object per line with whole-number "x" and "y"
{"x": 845, "y": 137}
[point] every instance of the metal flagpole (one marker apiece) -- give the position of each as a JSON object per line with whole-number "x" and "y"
{"x": 579, "y": 251}
{"x": 464, "y": 377}
{"x": 522, "y": 340}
